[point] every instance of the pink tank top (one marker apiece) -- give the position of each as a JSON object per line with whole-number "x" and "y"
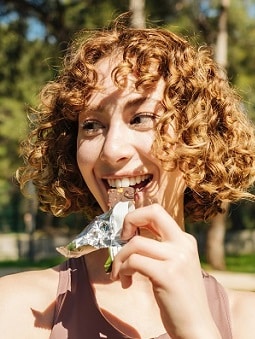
{"x": 77, "y": 315}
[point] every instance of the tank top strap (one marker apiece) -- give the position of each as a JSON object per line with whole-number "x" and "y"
{"x": 219, "y": 305}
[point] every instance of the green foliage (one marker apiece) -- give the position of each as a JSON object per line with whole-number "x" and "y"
{"x": 241, "y": 68}
{"x": 12, "y": 122}
{"x": 12, "y": 127}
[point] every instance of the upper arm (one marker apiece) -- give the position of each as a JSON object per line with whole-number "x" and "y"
{"x": 26, "y": 305}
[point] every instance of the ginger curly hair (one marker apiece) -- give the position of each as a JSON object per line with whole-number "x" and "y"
{"x": 216, "y": 144}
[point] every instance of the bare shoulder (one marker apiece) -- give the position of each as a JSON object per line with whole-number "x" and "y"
{"x": 242, "y": 308}
{"x": 27, "y": 302}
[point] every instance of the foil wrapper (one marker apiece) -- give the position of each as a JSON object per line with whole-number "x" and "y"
{"x": 103, "y": 232}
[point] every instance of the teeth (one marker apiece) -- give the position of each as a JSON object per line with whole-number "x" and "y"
{"x": 126, "y": 182}
{"x": 132, "y": 181}
{"x": 138, "y": 179}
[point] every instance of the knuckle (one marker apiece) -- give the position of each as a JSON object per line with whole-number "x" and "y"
{"x": 133, "y": 259}
{"x": 135, "y": 242}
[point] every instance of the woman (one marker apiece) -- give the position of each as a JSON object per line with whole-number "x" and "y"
{"x": 139, "y": 108}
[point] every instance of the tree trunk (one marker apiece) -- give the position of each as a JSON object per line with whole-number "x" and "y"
{"x": 215, "y": 251}
{"x": 137, "y": 9}
{"x": 221, "y": 48}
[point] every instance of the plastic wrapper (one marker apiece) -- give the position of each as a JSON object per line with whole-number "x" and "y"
{"x": 103, "y": 232}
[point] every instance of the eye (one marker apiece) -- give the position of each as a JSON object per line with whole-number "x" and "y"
{"x": 92, "y": 127}
{"x": 143, "y": 121}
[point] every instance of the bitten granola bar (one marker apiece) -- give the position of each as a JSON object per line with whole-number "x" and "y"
{"x": 120, "y": 194}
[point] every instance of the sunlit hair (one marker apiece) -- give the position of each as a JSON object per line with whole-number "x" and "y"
{"x": 214, "y": 140}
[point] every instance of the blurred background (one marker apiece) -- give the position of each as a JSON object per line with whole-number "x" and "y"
{"x": 34, "y": 35}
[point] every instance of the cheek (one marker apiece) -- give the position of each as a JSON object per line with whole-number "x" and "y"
{"x": 85, "y": 157}
{"x": 146, "y": 141}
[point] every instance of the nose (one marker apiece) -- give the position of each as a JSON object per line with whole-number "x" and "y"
{"x": 117, "y": 147}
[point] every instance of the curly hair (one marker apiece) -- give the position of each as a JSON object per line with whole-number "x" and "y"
{"x": 214, "y": 137}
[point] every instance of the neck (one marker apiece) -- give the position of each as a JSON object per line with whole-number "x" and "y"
{"x": 177, "y": 213}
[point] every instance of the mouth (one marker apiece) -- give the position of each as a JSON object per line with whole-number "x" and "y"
{"x": 137, "y": 182}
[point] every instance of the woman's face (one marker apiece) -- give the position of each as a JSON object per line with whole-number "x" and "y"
{"x": 115, "y": 136}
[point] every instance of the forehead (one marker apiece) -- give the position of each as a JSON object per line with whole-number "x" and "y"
{"x": 106, "y": 86}
{"x": 104, "y": 69}
{"x": 105, "y": 65}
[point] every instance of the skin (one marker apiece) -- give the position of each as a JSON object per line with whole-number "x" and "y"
{"x": 148, "y": 304}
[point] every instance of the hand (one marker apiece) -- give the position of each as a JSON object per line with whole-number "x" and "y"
{"x": 173, "y": 267}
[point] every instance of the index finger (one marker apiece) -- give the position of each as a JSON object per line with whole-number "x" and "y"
{"x": 154, "y": 218}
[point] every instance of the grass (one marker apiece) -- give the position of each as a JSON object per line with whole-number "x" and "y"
{"x": 244, "y": 263}
{"x": 25, "y": 263}
{"x": 234, "y": 263}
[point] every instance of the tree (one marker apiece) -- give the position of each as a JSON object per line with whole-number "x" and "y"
{"x": 138, "y": 16}
{"x": 21, "y": 71}
{"x": 25, "y": 65}
{"x": 215, "y": 252}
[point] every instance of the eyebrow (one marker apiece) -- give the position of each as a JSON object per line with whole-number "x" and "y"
{"x": 139, "y": 101}
{"x": 135, "y": 102}
{"x": 132, "y": 102}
